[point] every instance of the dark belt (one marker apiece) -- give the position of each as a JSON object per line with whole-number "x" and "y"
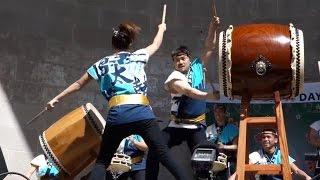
{"x": 196, "y": 120}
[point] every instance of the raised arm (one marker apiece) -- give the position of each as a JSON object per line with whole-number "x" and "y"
{"x": 182, "y": 87}
{"x": 210, "y": 41}
{"x": 152, "y": 48}
{"x": 76, "y": 86}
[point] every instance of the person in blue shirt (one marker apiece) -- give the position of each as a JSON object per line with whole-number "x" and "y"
{"x": 269, "y": 153}
{"x": 225, "y": 135}
{"x": 186, "y": 84}
{"x": 122, "y": 81}
{"x": 223, "y": 132}
{"x": 135, "y": 147}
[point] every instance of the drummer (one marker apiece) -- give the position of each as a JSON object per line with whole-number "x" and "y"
{"x": 135, "y": 147}
{"x": 186, "y": 85}
{"x": 123, "y": 82}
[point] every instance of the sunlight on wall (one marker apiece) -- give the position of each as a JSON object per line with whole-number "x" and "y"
{"x": 13, "y": 142}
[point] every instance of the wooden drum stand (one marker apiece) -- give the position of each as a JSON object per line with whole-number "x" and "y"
{"x": 243, "y": 168}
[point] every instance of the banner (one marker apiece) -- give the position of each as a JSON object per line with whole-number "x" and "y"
{"x": 310, "y": 93}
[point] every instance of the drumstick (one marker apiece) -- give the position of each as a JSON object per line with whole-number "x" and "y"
{"x": 36, "y": 116}
{"x": 164, "y": 13}
{"x": 214, "y": 10}
{"x": 319, "y": 65}
{"x": 214, "y": 14}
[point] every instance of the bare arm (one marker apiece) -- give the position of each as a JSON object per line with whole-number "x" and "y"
{"x": 76, "y": 86}
{"x": 182, "y": 87}
{"x": 31, "y": 171}
{"x": 141, "y": 145}
{"x": 210, "y": 41}
{"x": 232, "y": 147}
{"x": 152, "y": 48}
{"x": 299, "y": 172}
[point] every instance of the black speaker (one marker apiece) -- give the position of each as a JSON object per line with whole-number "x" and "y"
{"x": 202, "y": 159}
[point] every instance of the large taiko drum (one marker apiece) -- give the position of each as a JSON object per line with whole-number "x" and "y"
{"x": 72, "y": 143}
{"x": 259, "y": 59}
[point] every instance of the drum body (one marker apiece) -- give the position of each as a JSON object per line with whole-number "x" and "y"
{"x": 72, "y": 143}
{"x": 120, "y": 163}
{"x": 259, "y": 59}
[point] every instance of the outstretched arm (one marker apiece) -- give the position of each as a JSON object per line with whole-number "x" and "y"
{"x": 76, "y": 86}
{"x": 182, "y": 87}
{"x": 210, "y": 41}
{"x": 152, "y": 48}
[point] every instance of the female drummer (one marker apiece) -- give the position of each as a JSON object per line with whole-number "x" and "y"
{"x": 123, "y": 82}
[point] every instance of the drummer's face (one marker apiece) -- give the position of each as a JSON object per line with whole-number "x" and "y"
{"x": 181, "y": 63}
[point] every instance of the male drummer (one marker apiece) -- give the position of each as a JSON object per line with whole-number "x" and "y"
{"x": 186, "y": 84}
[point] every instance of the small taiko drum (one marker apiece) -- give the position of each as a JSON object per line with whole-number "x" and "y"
{"x": 120, "y": 163}
{"x": 72, "y": 143}
{"x": 259, "y": 59}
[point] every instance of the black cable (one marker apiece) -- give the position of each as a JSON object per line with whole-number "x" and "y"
{"x": 6, "y": 173}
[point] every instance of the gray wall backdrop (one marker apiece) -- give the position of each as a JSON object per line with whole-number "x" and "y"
{"x": 47, "y": 44}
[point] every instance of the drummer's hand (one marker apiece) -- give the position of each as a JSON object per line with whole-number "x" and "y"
{"x": 216, "y": 95}
{"x": 220, "y": 145}
{"x": 50, "y": 104}
{"x": 216, "y": 20}
{"x": 162, "y": 26}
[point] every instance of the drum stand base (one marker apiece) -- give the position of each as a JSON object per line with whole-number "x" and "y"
{"x": 243, "y": 168}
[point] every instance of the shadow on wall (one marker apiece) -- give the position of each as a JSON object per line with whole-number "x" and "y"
{"x": 3, "y": 166}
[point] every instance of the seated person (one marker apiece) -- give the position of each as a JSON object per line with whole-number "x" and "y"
{"x": 225, "y": 135}
{"x": 269, "y": 153}
{"x": 135, "y": 147}
{"x": 313, "y": 138}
